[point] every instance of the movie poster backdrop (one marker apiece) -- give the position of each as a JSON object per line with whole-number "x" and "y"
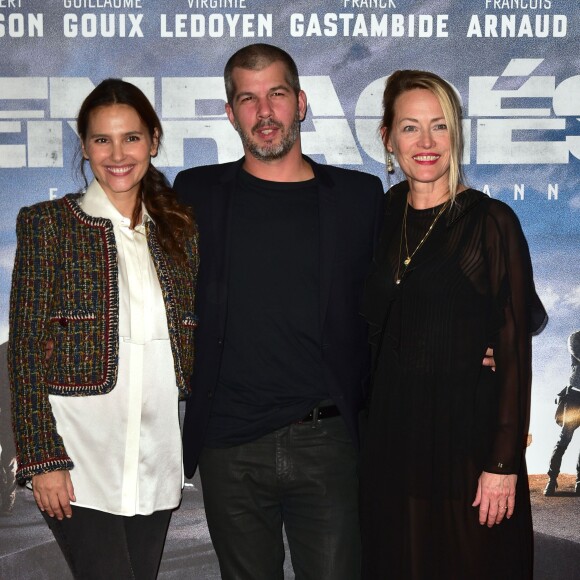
{"x": 514, "y": 63}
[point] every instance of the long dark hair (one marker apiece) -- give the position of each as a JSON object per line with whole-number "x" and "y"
{"x": 174, "y": 222}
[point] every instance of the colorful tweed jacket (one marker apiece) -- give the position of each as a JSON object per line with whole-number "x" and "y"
{"x": 65, "y": 290}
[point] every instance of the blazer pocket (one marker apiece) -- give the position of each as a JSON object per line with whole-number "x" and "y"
{"x": 79, "y": 350}
{"x": 65, "y": 316}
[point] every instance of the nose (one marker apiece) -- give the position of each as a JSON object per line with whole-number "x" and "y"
{"x": 426, "y": 139}
{"x": 117, "y": 151}
{"x": 264, "y": 108}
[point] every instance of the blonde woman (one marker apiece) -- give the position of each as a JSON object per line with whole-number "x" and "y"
{"x": 444, "y": 490}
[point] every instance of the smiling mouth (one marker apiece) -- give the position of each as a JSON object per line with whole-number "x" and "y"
{"x": 266, "y": 128}
{"x": 426, "y": 158}
{"x": 120, "y": 170}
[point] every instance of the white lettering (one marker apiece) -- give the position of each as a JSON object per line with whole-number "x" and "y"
{"x": 10, "y": 4}
{"x": 372, "y": 4}
{"x": 122, "y": 4}
{"x": 518, "y": 4}
{"x": 213, "y": 4}
{"x": 17, "y": 25}
{"x": 216, "y": 25}
{"x": 105, "y": 25}
{"x": 495, "y": 143}
{"x": 194, "y": 107}
{"x": 518, "y": 26}
{"x": 354, "y": 25}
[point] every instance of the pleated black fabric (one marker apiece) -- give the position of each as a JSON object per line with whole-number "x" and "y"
{"x": 437, "y": 418}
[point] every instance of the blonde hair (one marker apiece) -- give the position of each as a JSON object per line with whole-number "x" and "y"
{"x": 407, "y": 80}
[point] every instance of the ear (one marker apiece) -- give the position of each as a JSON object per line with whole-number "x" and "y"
{"x": 386, "y": 139}
{"x": 302, "y": 105}
{"x": 154, "y": 143}
{"x": 230, "y": 114}
{"x": 84, "y": 150}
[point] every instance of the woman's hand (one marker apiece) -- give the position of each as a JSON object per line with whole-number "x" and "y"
{"x": 53, "y": 493}
{"x": 496, "y": 497}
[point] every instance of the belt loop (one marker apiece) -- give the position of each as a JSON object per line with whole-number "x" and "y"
{"x": 315, "y": 416}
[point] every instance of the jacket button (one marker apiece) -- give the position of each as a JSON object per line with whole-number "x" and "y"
{"x": 220, "y": 341}
{"x": 209, "y": 394}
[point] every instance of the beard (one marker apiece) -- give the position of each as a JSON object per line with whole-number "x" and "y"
{"x": 270, "y": 151}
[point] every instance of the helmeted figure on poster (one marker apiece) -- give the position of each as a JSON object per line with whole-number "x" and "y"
{"x": 569, "y": 419}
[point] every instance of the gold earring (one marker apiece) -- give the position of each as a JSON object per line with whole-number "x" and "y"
{"x": 390, "y": 164}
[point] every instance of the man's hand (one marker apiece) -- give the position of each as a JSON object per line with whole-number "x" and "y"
{"x": 49, "y": 347}
{"x": 53, "y": 492}
{"x": 488, "y": 360}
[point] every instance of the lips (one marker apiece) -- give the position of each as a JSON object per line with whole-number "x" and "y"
{"x": 266, "y": 128}
{"x": 120, "y": 171}
{"x": 426, "y": 159}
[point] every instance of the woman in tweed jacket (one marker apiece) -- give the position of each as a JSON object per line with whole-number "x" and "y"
{"x": 104, "y": 283}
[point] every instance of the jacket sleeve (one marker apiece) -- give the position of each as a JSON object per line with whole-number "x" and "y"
{"x": 181, "y": 189}
{"x": 517, "y": 314}
{"x": 39, "y": 447}
{"x": 379, "y": 197}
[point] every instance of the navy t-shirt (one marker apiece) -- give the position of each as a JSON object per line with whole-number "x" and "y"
{"x": 271, "y": 371}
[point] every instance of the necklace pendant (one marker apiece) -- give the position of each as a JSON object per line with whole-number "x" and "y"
{"x": 407, "y": 261}
{"x": 398, "y": 281}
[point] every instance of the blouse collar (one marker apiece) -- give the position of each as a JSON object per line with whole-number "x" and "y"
{"x": 96, "y": 203}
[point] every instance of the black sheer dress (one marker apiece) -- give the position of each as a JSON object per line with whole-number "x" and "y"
{"x": 437, "y": 418}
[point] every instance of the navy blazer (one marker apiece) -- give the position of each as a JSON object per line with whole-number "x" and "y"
{"x": 351, "y": 212}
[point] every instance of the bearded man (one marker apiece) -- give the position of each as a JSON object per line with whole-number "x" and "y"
{"x": 282, "y": 358}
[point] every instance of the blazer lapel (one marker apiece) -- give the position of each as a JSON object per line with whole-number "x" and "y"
{"x": 328, "y": 217}
{"x": 222, "y": 201}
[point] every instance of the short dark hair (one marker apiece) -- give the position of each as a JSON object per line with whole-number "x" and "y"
{"x": 257, "y": 57}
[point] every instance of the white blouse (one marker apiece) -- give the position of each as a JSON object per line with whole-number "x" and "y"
{"x": 126, "y": 444}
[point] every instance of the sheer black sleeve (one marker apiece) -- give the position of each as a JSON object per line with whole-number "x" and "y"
{"x": 518, "y": 313}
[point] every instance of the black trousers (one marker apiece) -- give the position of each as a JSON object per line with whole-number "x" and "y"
{"x": 303, "y": 477}
{"x": 98, "y": 545}
{"x": 563, "y": 441}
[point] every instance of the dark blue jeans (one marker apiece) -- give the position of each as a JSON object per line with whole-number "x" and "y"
{"x": 103, "y": 546}
{"x": 302, "y": 477}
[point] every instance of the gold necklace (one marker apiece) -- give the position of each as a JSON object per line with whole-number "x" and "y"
{"x": 409, "y": 257}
